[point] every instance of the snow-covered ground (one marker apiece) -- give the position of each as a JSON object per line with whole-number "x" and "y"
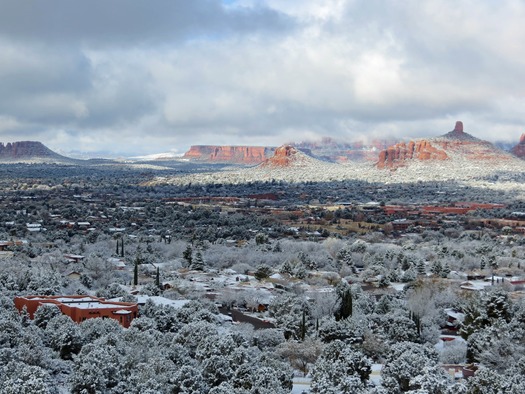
{"x": 301, "y": 385}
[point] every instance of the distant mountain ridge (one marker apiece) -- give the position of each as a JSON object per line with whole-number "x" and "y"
{"x": 229, "y": 154}
{"x": 326, "y": 149}
{"x": 30, "y": 151}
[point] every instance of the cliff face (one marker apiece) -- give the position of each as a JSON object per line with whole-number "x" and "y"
{"x": 229, "y": 154}
{"x": 27, "y": 151}
{"x": 519, "y": 150}
{"x": 397, "y": 155}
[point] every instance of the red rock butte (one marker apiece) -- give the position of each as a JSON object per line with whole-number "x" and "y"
{"x": 284, "y": 157}
{"x": 229, "y": 154}
{"x": 397, "y": 155}
{"x": 29, "y": 150}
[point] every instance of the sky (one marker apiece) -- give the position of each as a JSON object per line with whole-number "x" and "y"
{"x": 131, "y": 77}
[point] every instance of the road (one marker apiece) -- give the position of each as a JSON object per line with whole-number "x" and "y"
{"x": 242, "y": 318}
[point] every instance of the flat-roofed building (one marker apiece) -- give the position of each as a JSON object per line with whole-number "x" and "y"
{"x": 82, "y": 307}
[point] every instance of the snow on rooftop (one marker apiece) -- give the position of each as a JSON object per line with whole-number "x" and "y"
{"x": 157, "y": 300}
{"x": 93, "y": 305}
{"x": 122, "y": 312}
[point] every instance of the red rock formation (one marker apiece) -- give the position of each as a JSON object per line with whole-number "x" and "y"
{"x": 284, "y": 156}
{"x": 519, "y": 150}
{"x": 397, "y": 155}
{"x": 27, "y": 150}
{"x": 455, "y": 143}
{"x": 459, "y": 134}
{"x": 229, "y": 154}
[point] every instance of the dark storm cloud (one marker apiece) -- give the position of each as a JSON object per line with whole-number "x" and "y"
{"x": 123, "y": 22}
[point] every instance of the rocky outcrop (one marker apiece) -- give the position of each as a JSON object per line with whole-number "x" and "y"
{"x": 519, "y": 150}
{"x": 397, "y": 155}
{"x": 284, "y": 156}
{"x": 229, "y": 154}
{"x": 287, "y": 157}
{"x": 29, "y": 151}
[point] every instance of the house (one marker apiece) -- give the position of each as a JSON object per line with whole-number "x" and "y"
{"x": 82, "y": 307}
{"x": 73, "y": 258}
{"x": 119, "y": 264}
{"x": 74, "y": 275}
{"x": 34, "y": 227}
{"x": 454, "y": 319}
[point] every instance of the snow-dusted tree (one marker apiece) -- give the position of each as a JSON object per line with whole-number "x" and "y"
{"x": 349, "y": 330}
{"x": 486, "y": 310}
{"x": 44, "y": 314}
{"x": 301, "y": 354}
{"x": 486, "y": 381}
{"x": 197, "y": 263}
{"x": 263, "y": 271}
{"x": 189, "y": 380}
{"x": 287, "y": 310}
{"x": 340, "y": 369}
{"x": 454, "y": 352}
{"x": 64, "y": 336}
{"x": 188, "y": 255}
{"x": 96, "y": 369}
{"x": 20, "y": 378}
{"x": 268, "y": 338}
{"x": 431, "y": 379}
{"x": 405, "y": 362}
{"x": 92, "y": 329}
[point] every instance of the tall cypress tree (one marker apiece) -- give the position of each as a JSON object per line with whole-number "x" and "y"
{"x": 157, "y": 278}
{"x": 138, "y": 261}
{"x": 136, "y": 273}
{"x": 344, "y": 293}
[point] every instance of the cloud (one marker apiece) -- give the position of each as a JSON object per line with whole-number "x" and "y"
{"x": 129, "y": 23}
{"x": 258, "y": 72}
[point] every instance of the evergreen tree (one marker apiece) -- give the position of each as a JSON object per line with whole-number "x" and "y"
{"x": 344, "y": 293}
{"x": 436, "y": 268}
{"x": 445, "y": 271}
{"x": 188, "y": 255}
{"x": 197, "y": 263}
{"x": 138, "y": 261}
{"x": 420, "y": 267}
{"x": 483, "y": 263}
